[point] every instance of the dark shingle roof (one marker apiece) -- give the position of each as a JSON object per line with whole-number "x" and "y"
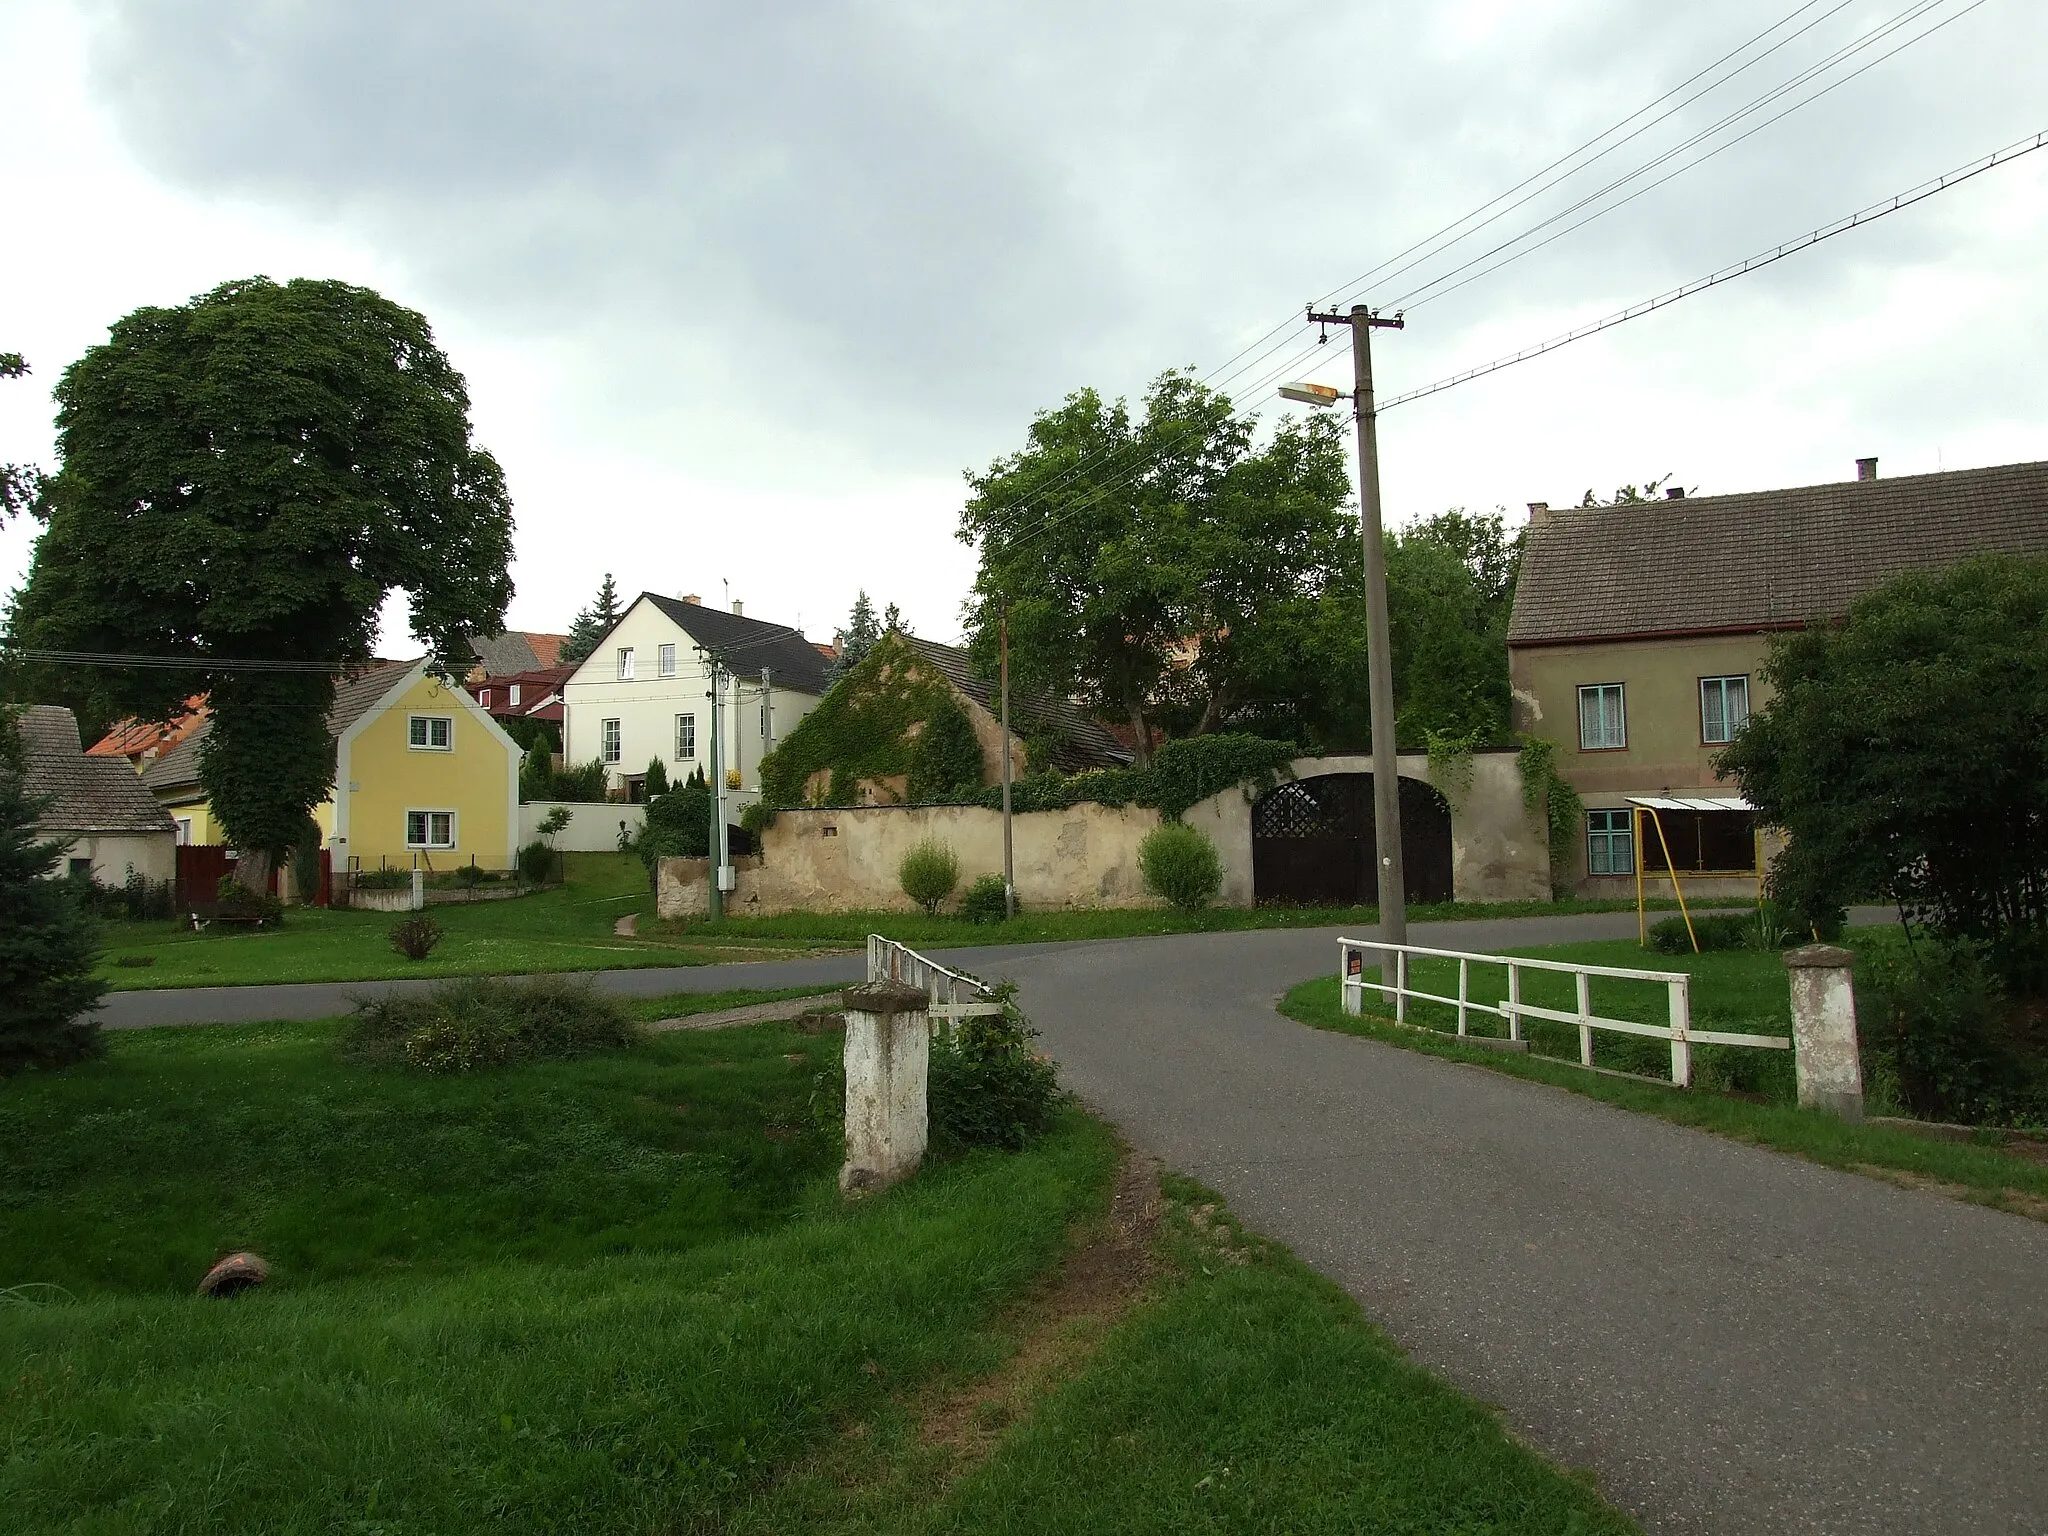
{"x": 1083, "y": 744}
{"x": 516, "y": 651}
{"x": 747, "y": 645}
{"x": 354, "y": 697}
{"x": 86, "y": 794}
{"x": 1764, "y": 559}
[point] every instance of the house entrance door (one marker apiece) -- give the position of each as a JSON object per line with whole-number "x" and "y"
{"x": 1312, "y": 843}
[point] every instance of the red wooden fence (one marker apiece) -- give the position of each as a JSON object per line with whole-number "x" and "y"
{"x": 202, "y": 867}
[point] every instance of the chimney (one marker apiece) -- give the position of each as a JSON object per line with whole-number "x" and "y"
{"x": 691, "y": 597}
{"x": 739, "y": 608}
{"x": 1866, "y": 469}
{"x": 1539, "y": 513}
{"x": 1674, "y": 493}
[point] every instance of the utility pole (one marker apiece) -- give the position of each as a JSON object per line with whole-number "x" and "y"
{"x": 1386, "y": 768}
{"x": 1009, "y": 871}
{"x": 716, "y": 898}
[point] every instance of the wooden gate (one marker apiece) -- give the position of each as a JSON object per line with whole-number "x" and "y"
{"x": 1312, "y": 843}
{"x": 202, "y": 867}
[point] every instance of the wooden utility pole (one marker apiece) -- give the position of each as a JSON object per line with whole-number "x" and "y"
{"x": 1009, "y": 870}
{"x": 1379, "y": 661}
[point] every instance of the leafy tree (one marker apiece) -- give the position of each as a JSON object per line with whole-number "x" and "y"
{"x": 248, "y": 476}
{"x": 945, "y": 755}
{"x": 19, "y": 483}
{"x": 48, "y": 946}
{"x": 593, "y": 623}
{"x": 1450, "y": 589}
{"x": 1902, "y": 752}
{"x": 1116, "y": 543}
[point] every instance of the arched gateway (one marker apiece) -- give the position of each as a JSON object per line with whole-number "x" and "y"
{"x": 1312, "y": 842}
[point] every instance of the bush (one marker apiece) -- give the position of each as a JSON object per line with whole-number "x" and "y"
{"x": 1937, "y": 1024}
{"x": 988, "y": 1087}
{"x": 415, "y": 937}
{"x": 48, "y": 945}
{"x": 479, "y": 1022}
{"x": 983, "y": 901}
{"x": 1721, "y": 930}
{"x": 928, "y": 873}
{"x": 383, "y": 879}
{"x": 656, "y": 782}
{"x": 536, "y": 862}
{"x": 237, "y": 900}
{"x": 1180, "y": 865}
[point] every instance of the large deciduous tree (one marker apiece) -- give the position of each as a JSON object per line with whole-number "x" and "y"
{"x": 1904, "y": 754}
{"x": 1450, "y": 588}
{"x": 1161, "y": 565}
{"x": 19, "y": 483}
{"x": 246, "y": 478}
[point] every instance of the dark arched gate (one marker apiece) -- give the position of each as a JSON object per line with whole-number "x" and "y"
{"x": 1312, "y": 842}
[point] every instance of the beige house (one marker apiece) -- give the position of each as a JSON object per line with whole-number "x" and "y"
{"x": 1639, "y": 633}
{"x": 111, "y": 827}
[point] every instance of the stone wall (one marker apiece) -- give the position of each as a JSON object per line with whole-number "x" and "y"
{"x": 845, "y": 860}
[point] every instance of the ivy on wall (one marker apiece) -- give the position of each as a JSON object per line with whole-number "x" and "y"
{"x": 1547, "y": 794}
{"x": 861, "y": 729}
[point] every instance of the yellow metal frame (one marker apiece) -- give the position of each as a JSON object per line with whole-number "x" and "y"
{"x": 1671, "y": 869}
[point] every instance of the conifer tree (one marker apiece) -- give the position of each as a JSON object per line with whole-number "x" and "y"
{"x": 48, "y": 946}
{"x": 593, "y": 623}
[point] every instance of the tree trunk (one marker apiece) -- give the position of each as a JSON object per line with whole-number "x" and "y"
{"x": 1210, "y": 710}
{"x": 1143, "y": 728}
{"x": 252, "y": 870}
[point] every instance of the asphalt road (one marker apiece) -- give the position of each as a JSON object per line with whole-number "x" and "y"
{"x": 1730, "y": 1340}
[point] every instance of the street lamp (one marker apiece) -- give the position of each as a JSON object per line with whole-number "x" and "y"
{"x": 1379, "y": 666}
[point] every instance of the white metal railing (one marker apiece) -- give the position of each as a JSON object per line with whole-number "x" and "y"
{"x": 954, "y": 994}
{"x": 1513, "y": 1009}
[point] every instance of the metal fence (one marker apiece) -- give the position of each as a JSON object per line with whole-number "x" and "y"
{"x": 954, "y": 994}
{"x": 1514, "y": 1008}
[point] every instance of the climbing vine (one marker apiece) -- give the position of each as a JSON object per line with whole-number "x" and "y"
{"x": 1450, "y": 761}
{"x": 1547, "y": 794}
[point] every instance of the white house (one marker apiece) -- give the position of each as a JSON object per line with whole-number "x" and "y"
{"x": 645, "y": 692}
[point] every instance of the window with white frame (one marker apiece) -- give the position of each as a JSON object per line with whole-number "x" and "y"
{"x": 184, "y": 831}
{"x": 512, "y": 694}
{"x": 665, "y": 659}
{"x": 430, "y": 829}
{"x": 484, "y": 698}
{"x": 430, "y": 733}
{"x": 1610, "y": 843}
{"x": 1724, "y": 707}
{"x": 608, "y": 734}
{"x": 1603, "y": 720}
{"x": 625, "y": 663}
{"x": 686, "y": 738}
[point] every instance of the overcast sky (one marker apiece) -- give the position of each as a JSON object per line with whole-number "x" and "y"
{"x": 740, "y": 290}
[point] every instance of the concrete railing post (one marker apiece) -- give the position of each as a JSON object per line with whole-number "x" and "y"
{"x": 888, "y": 1062}
{"x": 1825, "y": 1058}
{"x": 419, "y": 890}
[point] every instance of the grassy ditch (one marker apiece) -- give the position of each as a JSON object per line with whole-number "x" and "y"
{"x": 1741, "y": 1093}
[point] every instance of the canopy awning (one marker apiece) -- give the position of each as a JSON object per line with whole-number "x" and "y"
{"x": 1691, "y": 803}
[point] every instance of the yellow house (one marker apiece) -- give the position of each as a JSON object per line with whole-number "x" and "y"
{"x": 422, "y": 775}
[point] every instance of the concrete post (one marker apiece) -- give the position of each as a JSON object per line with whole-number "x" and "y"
{"x": 888, "y": 1060}
{"x": 1825, "y": 1058}
{"x": 419, "y": 889}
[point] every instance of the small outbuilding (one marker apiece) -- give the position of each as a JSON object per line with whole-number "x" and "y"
{"x": 98, "y": 807}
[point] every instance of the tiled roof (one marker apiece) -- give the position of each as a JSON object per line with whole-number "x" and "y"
{"x": 142, "y": 739}
{"x": 516, "y": 651}
{"x": 747, "y": 645}
{"x": 354, "y": 697}
{"x": 87, "y": 794}
{"x": 1084, "y": 743}
{"x": 1765, "y": 559}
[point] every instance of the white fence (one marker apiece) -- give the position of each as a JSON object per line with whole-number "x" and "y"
{"x": 1513, "y": 1009}
{"x": 954, "y": 995}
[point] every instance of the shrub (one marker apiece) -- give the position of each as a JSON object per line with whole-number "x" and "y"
{"x": 656, "y": 782}
{"x": 1937, "y": 1023}
{"x": 988, "y": 1087}
{"x": 536, "y": 862}
{"x": 1721, "y": 930}
{"x": 48, "y": 945}
{"x": 383, "y": 879}
{"x": 928, "y": 873}
{"x": 983, "y": 901}
{"x": 478, "y": 1022}
{"x": 238, "y": 900}
{"x": 415, "y": 937}
{"x": 1180, "y": 865}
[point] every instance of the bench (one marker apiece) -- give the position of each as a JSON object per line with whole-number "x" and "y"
{"x": 205, "y": 913}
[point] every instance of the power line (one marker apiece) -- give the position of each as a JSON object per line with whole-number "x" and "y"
{"x": 1741, "y": 268}
{"x": 182, "y": 663}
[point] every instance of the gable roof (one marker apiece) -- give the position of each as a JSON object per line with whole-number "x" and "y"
{"x": 747, "y": 645}
{"x": 142, "y": 741}
{"x": 86, "y": 794}
{"x": 354, "y": 697}
{"x": 516, "y": 651}
{"x": 1763, "y": 560}
{"x": 1083, "y": 743}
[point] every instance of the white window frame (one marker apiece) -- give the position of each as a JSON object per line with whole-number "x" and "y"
{"x": 512, "y": 695}
{"x": 665, "y": 658}
{"x": 686, "y": 738}
{"x": 1730, "y": 726}
{"x": 610, "y": 740}
{"x": 419, "y": 733}
{"x": 1619, "y": 736}
{"x": 184, "y": 824}
{"x": 625, "y": 663}
{"x": 429, "y": 843}
{"x": 1611, "y": 836}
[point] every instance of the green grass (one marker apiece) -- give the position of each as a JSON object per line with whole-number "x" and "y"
{"x": 566, "y": 928}
{"x": 1247, "y": 1393}
{"x": 1739, "y": 990}
{"x": 851, "y": 928}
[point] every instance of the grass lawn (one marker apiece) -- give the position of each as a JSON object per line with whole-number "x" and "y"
{"x": 621, "y": 1294}
{"x": 1745, "y": 1093}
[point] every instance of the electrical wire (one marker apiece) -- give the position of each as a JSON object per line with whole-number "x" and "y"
{"x": 179, "y": 663}
{"x": 1741, "y": 268}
